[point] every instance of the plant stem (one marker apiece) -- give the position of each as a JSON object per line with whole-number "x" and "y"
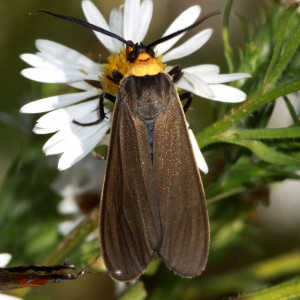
{"x": 225, "y": 36}
{"x": 255, "y": 134}
{"x": 73, "y": 239}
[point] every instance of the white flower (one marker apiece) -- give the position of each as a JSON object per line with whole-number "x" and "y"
{"x": 55, "y": 63}
{"x": 79, "y": 189}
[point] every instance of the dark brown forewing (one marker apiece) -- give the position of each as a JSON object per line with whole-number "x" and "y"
{"x": 185, "y": 227}
{"x": 124, "y": 203}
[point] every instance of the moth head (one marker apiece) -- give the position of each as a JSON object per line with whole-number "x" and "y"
{"x": 140, "y": 53}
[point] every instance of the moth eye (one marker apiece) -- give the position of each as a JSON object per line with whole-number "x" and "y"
{"x": 132, "y": 56}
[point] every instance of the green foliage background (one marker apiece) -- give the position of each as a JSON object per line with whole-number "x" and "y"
{"x": 246, "y": 260}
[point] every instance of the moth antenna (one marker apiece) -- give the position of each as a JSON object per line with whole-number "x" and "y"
{"x": 170, "y": 36}
{"x": 85, "y": 24}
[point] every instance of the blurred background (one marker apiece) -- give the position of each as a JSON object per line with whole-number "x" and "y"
{"x": 32, "y": 216}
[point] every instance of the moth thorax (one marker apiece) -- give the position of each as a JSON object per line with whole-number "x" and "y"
{"x": 145, "y": 64}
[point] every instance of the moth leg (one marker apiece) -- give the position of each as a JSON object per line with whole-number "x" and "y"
{"x": 116, "y": 77}
{"x": 189, "y": 97}
{"x": 101, "y": 110}
{"x": 176, "y": 73}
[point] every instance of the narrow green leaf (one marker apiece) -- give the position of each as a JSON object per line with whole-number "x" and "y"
{"x": 226, "y": 194}
{"x": 289, "y": 290}
{"x": 272, "y": 133}
{"x": 245, "y": 25}
{"x": 225, "y": 36}
{"x": 291, "y": 109}
{"x": 135, "y": 292}
{"x": 286, "y": 57}
{"x": 266, "y": 153}
{"x": 252, "y": 275}
{"x": 284, "y": 49}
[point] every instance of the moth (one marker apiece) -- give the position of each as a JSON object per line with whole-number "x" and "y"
{"x": 152, "y": 200}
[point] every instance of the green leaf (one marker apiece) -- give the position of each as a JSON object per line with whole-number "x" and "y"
{"x": 287, "y": 41}
{"x": 212, "y": 133}
{"x": 254, "y": 275}
{"x": 291, "y": 109}
{"x": 135, "y": 292}
{"x": 243, "y": 175}
{"x": 289, "y": 290}
{"x": 266, "y": 153}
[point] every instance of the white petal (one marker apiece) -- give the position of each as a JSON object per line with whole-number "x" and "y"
{"x": 38, "y": 130}
{"x": 71, "y": 157}
{"x": 4, "y": 259}
{"x": 188, "y": 47}
{"x": 197, "y": 85}
{"x": 57, "y": 75}
{"x": 200, "y": 70}
{"x": 184, "y": 85}
{"x": 131, "y": 20}
{"x": 8, "y": 297}
{"x": 168, "y": 68}
{"x": 57, "y": 143}
{"x": 66, "y": 227}
{"x": 55, "y": 102}
{"x": 68, "y": 205}
{"x": 116, "y": 21}
{"x": 106, "y": 140}
{"x": 116, "y": 25}
{"x": 73, "y": 154}
{"x": 145, "y": 16}
{"x": 73, "y": 135}
{"x": 60, "y": 117}
{"x": 201, "y": 163}
{"x": 186, "y": 18}
{"x": 82, "y": 85}
{"x": 51, "y": 62}
{"x": 94, "y": 16}
{"x": 222, "y": 78}
{"x": 62, "y": 55}
{"x": 36, "y": 61}
{"x": 225, "y": 93}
